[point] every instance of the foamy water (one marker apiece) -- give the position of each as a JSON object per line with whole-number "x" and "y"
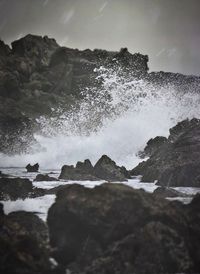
{"x": 118, "y": 126}
{"x": 41, "y": 205}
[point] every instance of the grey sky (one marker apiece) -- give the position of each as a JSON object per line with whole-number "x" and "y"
{"x": 167, "y": 30}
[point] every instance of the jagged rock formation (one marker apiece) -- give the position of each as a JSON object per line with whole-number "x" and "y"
{"x": 32, "y": 168}
{"x": 175, "y": 162}
{"x": 116, "y": 229}
{"x": 82, "y": 171}
{"x": 104, "y": 169}
{"x": 152, "y": 145}
{"x": 107, "y": 169}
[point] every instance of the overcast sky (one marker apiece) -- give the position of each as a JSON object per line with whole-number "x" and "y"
{"x": 167, "y": 30}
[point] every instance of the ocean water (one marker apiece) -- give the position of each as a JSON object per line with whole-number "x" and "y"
{"x": 40, "y": 205}
{"x": 116, "y": 119}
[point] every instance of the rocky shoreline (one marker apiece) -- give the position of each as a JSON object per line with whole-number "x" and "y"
{"x": 111, "y": 228}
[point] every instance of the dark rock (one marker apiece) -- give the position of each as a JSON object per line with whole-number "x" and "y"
{"x": 176, "y": 161}
{"x": 104, "y": 169}
{"x": 184, "y": 175}
{"x": 44, "y": 177}
{"x": 4, "y": 49}
{"x": 56, "y": 189}
{"x": 107, "y": 169}
{"x": 82, "y": 171}
{"x": 34, "y": 46}
{"x": 85, "y": 166}
{"x": 18, "y": 188}
{"x": 15, "y": 188}
{"x": 194, "y": 230}
{"x": 33, "y": 168}
{"x": 181, "y": 128}
{"x": 37, "y": 192}
{"x": 152, "y": 146}
{"x": 23, "y": 245}
{"x": 165, "y": 192}
{"x": 1, "y": 210}
{"x": 31, "y": 223}
{"x": 116, "y": 229}
{"x": 181, "y": 83}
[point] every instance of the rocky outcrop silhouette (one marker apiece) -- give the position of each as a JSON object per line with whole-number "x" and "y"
{"x": 32, "y": 168}
{"x": 175, "y": 162}
{"x": 104, "y": 169}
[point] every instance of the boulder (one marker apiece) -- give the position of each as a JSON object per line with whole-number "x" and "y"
{"x": 44, "y": 177}
{"x": 165, "y": 192}
{"x": 174, "y": 162}
{"x": 116, "y": 229}
{"x": 15, "y": 188}
{"x": 32, "y": 168}
{"x": 32, "y": 223}
{"x": 107, "y": 169}
{"x": 24, "y": 245}
{"x": 18, "y": 188}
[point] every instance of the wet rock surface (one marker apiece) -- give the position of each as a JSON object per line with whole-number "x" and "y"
{"x": 15, "y": 188}
{"x": 175, "y": 162}
{"x": 18, "y": 188}
{"x": 24, "y": 244}
{"x": 115, "y": 229}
